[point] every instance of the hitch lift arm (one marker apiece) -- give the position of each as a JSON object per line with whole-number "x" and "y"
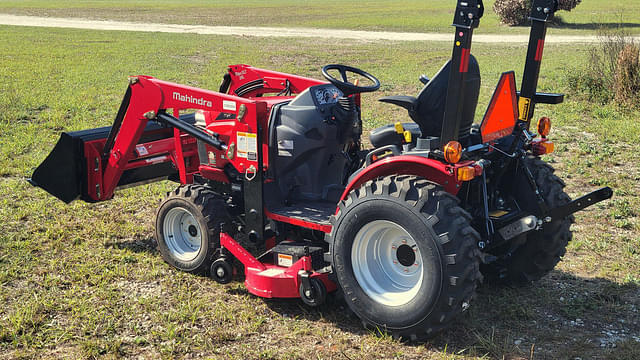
{"x": 581, "y": 203}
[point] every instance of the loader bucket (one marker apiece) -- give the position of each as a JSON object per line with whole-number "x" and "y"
{"x": 64, "y": 172}
{"x": 59, "y": 173}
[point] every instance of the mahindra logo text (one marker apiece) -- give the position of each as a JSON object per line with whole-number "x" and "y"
{"x": 191, "y": 99}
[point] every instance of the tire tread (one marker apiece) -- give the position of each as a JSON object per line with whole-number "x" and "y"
{"x": 454, "y": 235}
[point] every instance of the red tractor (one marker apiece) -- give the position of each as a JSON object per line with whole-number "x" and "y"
{"x": 275, "y": 183}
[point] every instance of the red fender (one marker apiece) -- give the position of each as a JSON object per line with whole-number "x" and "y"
{"x": 430, "y": 169}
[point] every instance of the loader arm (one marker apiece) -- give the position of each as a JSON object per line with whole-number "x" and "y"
{"x": 150, "y": 99}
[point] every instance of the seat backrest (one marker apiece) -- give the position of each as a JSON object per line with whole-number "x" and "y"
{"x": 432, "y": 98}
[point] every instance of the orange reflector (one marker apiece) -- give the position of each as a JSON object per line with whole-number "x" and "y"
{"x": 542, "y": 147}
{"x": 452, "y": 152}
{"x": 501, "y": 115}
{"x": 544, "y": 126}
{"x": 466, "y": 173}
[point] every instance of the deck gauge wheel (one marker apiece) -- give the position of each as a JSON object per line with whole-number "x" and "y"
{"x": 221, "y": 271}
{"x": 315, "y": 295}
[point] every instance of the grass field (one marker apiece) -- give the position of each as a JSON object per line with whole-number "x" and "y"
{"x": 406, "y": 15}
{"x": 82, "y": 280}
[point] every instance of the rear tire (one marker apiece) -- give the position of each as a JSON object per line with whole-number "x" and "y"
{"x": 187, "y": 227}
{"x": 405, "y": 256}
{"x": 541, "y": 249}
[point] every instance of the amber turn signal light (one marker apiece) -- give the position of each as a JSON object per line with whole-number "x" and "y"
{"x": 544, "y": 126}
{"x": 466, "y": 173}
{"x": 542, "y": 147}
{"x": 452, "y": 152}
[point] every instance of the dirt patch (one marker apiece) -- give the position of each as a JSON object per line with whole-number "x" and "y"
{"x": 78, "y": 23}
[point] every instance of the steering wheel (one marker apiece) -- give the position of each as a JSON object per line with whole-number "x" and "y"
{"x": 344, "y": 85}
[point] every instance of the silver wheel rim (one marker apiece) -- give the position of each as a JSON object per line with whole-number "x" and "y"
{"x": 182, "y": 234}
{"x": 381, "y": 263}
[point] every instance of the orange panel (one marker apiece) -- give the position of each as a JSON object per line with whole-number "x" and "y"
{"x": 500, "y": 118}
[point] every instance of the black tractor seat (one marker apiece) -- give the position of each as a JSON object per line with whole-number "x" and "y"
{"x": 427, "y": 109}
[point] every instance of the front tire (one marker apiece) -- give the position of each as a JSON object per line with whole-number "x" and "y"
{"x": 405, "y": 255}
{"x": 187, "y": 227}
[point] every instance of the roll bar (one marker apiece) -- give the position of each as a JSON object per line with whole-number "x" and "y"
{"x": 466, "y": 18}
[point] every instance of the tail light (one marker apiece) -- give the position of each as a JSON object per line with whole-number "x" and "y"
{"x": 542, "y": 147}
{"x": 466, "y": 173}
{"x": 470, "y": 172}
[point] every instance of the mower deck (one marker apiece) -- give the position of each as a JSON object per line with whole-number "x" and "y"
{"x": 273, "y": 281}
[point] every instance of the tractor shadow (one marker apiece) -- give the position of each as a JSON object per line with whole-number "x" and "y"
{"x": 335, "y": 311}
{"x": 559, "y": 316}
{"x": 135, "y": 245}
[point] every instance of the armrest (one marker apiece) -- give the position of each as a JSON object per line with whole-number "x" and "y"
{"x": 407, "y": 102}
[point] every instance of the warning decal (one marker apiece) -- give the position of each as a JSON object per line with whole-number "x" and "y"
{"x": 247, "y": 145}
{"x": 229, "y": 105}
{"x": 523, "y": 108}
{"x": 142, "y": 150}
{"x": 285, "y": 260}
